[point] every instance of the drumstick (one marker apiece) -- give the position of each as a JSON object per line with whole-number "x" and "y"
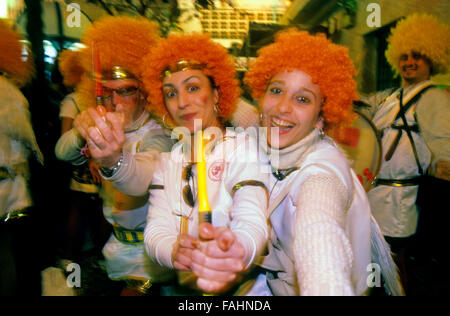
{"x": 97, "y": 77}
{"x": 101, "y": 110}
{"x": 204, "y": 210}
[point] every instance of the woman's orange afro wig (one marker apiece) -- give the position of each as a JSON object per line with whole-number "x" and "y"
{"x": 328, "y": 64}
{"x": 194, "y": 47}
{"x": 70, "y": 67}
{"x": 11, "y": 59}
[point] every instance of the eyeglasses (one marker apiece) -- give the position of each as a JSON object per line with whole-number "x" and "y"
{"x": 188, "y": 197}
{"x": 123, "y": 92}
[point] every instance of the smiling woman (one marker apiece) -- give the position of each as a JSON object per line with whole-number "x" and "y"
{"x": 322, "y": 230}
{"x": 190, "y": 78}
{"x": 292, "y": 103}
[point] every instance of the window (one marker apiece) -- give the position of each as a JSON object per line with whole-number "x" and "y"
{"x": 376, "y": 71}
{"x": 206, "y": 15}
{"x": 3, "y": 9}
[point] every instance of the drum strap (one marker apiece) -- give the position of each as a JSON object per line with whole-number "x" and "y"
{"x": 406, "y": 127}
{"x": 400, "y": 183}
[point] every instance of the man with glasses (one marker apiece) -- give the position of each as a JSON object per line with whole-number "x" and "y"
{"x": 122, "y": 138}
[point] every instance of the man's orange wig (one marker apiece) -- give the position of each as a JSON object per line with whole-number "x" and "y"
{"x": 328, "y": 64}
{"x": 120, "y": 41}
{"x": 198, "y": 48}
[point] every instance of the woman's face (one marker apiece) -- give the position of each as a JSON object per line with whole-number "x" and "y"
{"x": 188, "y": 96}
{"x": 291, "y": 103}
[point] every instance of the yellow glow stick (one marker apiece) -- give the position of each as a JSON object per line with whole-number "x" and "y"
{"x": 204, "y": 210}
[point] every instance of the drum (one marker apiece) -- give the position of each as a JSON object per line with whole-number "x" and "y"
{"x": 362, "y": 143}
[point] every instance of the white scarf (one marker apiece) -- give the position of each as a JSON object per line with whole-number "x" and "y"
{"x": 293, "y": 155}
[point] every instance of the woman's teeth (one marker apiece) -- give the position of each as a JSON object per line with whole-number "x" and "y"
{"x": 281, "y": 124}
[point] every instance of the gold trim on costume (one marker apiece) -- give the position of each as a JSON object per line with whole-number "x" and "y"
{"x": 156, "y": 187}
{"x": 254, "y": 183}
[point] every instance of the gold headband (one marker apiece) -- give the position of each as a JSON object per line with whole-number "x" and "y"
{"x": 117, "y": 73}
{"x": 182, "y": 65}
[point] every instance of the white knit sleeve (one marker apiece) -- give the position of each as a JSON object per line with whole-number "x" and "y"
{"x": 323, "y": 255}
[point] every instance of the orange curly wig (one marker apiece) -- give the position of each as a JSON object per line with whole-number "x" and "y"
{"x": 120, "y": 41}
{"x": 424, "y": 34}
{"x": 11, "y": 55}
{"x": 328, "y": 64}
{"x": 70, "y": 67}
{"x": 193, "y": 47}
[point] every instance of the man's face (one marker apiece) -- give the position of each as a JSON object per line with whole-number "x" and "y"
{"x": 124, "y": 96}
{"x": 414, "y": 68}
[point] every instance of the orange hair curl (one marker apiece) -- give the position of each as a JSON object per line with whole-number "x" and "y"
{"x": 194, "y": 47}
{"x": 11, "y": 61}
{"x": 70, "y": 67}
{"x": 328, "y": 64}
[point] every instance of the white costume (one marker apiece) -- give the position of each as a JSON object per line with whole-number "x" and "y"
{"x": 394, "y": 207}
{"x": 322, "y": 228}
{"x": 236, "y": 194}
{"x": 17, "y": 141}
{"x": 70, "y": 109}
{"x": 125, "y": 258}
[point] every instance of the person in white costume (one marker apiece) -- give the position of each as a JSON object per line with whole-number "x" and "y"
{"x": 84, "y": 205}
{"x": 416, "y": 143}
{"x": 17, "y": 139}
{"x": 17, "y": 145}
{"x": 126, "y": 137}
{"x": 191, "y": 83}
{"x": 323, "y": 239}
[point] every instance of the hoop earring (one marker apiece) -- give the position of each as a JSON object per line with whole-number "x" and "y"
{"x": 164, "y": 122}
{"x": 321, "y": 133}
{"x": 216, "y": 108}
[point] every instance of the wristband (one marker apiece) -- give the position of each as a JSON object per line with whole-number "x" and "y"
{"x": 109, "y": 172}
